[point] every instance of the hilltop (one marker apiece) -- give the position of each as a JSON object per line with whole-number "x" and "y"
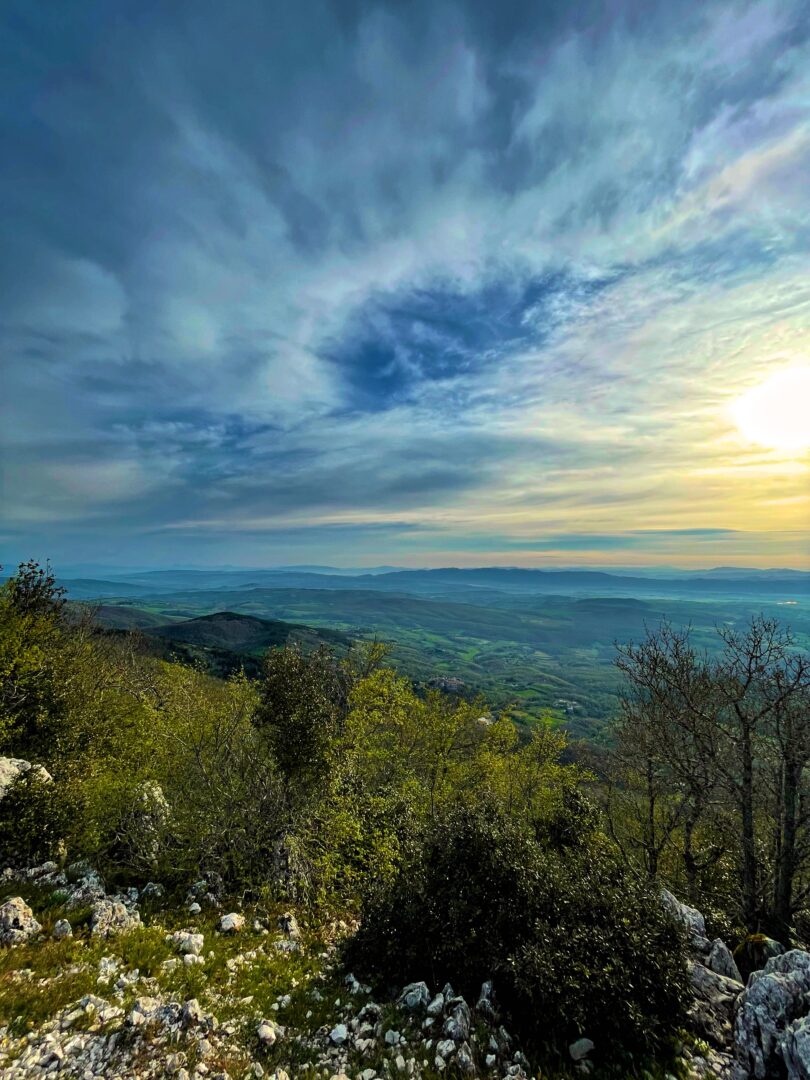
{"x": 224, "y": 641}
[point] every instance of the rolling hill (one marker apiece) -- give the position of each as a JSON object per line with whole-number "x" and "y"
{"x": 245, "y": 633}
{"x": 223, "y": 642}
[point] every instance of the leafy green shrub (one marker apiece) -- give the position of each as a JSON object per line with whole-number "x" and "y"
{"x": 575, "y": 944}
{"x": 35, "y": 817}
{"x": 303, "y": 701}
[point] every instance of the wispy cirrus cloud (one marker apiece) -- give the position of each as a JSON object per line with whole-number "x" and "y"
{"x": 432, "y": 274}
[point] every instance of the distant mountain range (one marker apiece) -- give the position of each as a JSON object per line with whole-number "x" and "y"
{"x": 717, "y": 582}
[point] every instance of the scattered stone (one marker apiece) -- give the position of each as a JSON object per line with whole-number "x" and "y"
{"x": 436, "y": 1007}
{"x": 87, "y": 888}
{"x": 153, "y": 892}
{"x": 232, "y": 923}
{"x": 266, "y": 1032}
{"x": 13, "y": 769}
{"x": 415, "y": 997}
{"x": 188, "y": 943}
{"x": 288, "y": 924}
{"x": 61, "y": 930}
{"x": 580, "y": 1049}
{"x": 112, "y": 917}
{"x": 339, "y": 1034}
{"x": 287, "y": 946}
{"x": 457, "y": 1024}
{"x": 464, "y": 1060}
{"x": 142, "y": 1011}
{"x": 191, "y": 1013}
{"x": 17, "y": 922}
{"x": 485, "y": 1005}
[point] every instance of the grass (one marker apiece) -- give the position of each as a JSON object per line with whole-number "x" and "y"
{"x": 243, "y": 979}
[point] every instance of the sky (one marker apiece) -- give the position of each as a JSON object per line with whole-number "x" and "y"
{"x": 419, "y": 282}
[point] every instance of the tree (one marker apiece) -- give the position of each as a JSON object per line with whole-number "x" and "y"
{"x": 666, "y": 757}
{"x": 764, "y": 684}
{"x": 398, "y": 738}
{"x": 729, "y": 728}
{"x": 33, "y": 590}
{"x": 31, "y": 627}
{"x": 303, "y": 702}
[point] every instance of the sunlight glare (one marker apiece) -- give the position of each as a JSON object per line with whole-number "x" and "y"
{"x": 776, "y": 414}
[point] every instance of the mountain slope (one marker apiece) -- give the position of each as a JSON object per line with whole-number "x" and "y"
{"x": 245, "y": 633}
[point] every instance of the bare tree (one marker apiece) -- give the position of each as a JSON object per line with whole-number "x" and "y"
{"x": 731, "y": 728}
{"x": 764, "y": 683}
{"x": 667, "y": 725}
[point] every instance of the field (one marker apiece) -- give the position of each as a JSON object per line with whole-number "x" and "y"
{"x": 528, "y": 652}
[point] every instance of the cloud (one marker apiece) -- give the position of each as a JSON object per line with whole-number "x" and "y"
{"x": 437, "y": 270}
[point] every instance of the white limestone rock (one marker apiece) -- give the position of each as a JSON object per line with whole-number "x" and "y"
{"x": 17, "y": 922}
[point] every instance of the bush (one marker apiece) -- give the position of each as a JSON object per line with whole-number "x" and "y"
{"x": 35, "y": 817}
{"x": 303, "y": 701}
{"x": 576, "y": 946}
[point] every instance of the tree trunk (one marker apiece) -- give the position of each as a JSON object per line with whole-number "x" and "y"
{"x": 786, "y": 865}
{"x": 749, "y": 853}
{"x": 689, "y": 860}
{"x": 650, "y": 845}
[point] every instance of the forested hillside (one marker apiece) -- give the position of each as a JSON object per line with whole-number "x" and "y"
{"x": 505, "y": 634}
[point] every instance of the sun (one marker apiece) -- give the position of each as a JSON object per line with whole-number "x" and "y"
{"x": 776, "y": 413}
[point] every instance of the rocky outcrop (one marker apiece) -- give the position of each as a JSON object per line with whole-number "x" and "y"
{"x": 691, "y": 919}
{"x": 112, "y": 916}
{"x": 712, "y": 1010}
{"x": 722, "y": 961}
{"x": 17, "y": 922}
{"x": 61, "y": 930}
{"x": 139, "y": 1031}
{"x": 715, "y": 991}
{"x": 770, "y": 1036}
{"x": 796, "y": 1049}
{"x": 12, "y": 769}
{"x": 759, "y": 1030}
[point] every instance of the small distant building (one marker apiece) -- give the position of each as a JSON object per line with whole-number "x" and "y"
{"x": 448, "y": 684}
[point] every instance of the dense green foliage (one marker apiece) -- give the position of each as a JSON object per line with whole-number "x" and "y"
{"x": 471, "y": 848}
{"x": 568, "y": 935}
{"x": 303, "y": 701}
